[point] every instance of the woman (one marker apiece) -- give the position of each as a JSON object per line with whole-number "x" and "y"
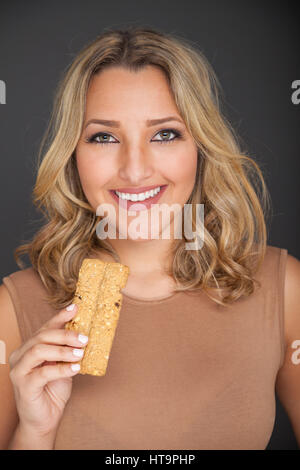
{"x": 200, "y": 344}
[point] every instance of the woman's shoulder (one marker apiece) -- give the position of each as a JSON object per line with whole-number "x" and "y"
{"x": 292, "y": 298}
{"x": 23, "y": 284}
{"x": 275, "y": 252}
{"x": 274, "y": 263}
{"x": 28, "y": 296}
{"x": 26, "y": 288}
{"x": 27, "y": 275}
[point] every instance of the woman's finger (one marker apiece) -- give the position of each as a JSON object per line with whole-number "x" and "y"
{"x": 60, "y": 336}
{"x": 51, "y": 336}
{"x": 40, "y": 353}
{"x": 62, "y": 317}
{"x": 41, "y": 376}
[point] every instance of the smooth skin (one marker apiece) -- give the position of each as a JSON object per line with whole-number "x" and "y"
{"x": 133, "y": 155}
{"x": 41, "y": 384}
{"x": 30, "y": 388}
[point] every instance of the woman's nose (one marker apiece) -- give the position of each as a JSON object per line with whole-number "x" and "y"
{"x": 135, "y": 165}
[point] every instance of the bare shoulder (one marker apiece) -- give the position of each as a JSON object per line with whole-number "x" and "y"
{"x": 288, "y": 377}
{"x": 8, "y": 322}
{"x": 10, "y": 340}
{"x": 292, "y": 299}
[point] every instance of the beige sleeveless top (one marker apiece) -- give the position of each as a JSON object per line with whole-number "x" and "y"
{"x": 184, "y": 372}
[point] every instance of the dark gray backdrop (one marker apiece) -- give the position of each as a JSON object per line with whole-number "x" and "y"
{"x": 253, "y": 47}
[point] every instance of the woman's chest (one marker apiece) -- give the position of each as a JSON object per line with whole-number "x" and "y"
{"x": 149, "y": 287}
{"x": 176, "y": 381}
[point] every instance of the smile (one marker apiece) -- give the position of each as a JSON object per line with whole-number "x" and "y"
{"x": 138, "y": 196}
{"x": 142, "y": 201}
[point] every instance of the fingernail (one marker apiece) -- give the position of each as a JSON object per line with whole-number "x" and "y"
{"x": 70, "y": 307}
{"x": 83, "y": 339}
{"x": 75, "y": 367}
{"x": 78, "y": 352}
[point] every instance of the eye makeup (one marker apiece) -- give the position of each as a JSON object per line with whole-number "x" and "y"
{"x": 178, "y": 135}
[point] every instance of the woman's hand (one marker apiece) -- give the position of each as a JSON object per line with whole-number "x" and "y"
{"x": 42, "y": 387}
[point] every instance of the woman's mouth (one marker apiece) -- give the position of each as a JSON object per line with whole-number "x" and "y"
{"x": 140, "y": 201}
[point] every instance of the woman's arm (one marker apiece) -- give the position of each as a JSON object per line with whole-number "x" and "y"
{"x": 288, "y": 377}
{"x": 10, "y": 337}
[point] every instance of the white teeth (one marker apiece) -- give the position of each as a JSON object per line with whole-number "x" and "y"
{"x": 138, "y": 196}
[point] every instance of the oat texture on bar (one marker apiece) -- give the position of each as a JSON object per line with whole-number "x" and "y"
{"x": 99, "y": 302}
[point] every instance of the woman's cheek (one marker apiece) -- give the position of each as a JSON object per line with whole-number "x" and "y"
{"x": 89, "y": 180}
{"x": 181, "y": 168}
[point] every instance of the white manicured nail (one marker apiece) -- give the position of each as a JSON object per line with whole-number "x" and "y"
{"x": 70, "y": 307}
{"x": 83, "y": 339}
{"x": 75, "y": 367}
{"x": 78, "y": 352}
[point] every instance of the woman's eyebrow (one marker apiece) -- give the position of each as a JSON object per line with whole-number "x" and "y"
{"x": 149, "y": 122}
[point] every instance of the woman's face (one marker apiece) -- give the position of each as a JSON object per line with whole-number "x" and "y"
{"x": 132, "y": 153}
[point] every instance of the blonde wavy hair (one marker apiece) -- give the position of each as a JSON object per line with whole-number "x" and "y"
{"x": 228, "y": 182}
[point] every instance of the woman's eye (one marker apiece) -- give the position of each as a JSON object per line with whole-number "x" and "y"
{"x": 100, "y": 135}
{"x": 165, "y": 133}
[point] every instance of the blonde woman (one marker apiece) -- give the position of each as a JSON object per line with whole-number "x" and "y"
{"x": 205, "y": 335}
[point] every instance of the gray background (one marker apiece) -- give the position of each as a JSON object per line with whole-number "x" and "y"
{"x": 253, "y": 47}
